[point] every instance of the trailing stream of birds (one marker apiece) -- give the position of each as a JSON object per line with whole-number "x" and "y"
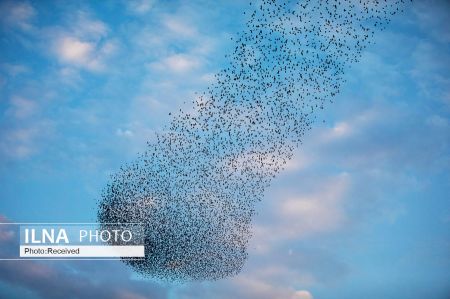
{"x": 196, "y": 187}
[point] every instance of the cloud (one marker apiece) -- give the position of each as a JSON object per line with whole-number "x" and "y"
{"x": 139, "y": 7}
{"x": 82, "y": 43}
{"x": 70, "y": 76}
{"x": 124, "y": 133}
{"x": 17, "y": 14}
{"x": 430, "y": 72}
{"x": 84, "y": 54}
{"x": 172, "y": 54}
{"x": 340, "y": 130}
{"x": 438, "y": 121}
{"x": 432, "y": 16}
{"x": 179, "y": 27}
{"x": 292, "y": 217}
{"x": 173, "y": 43}
{"x": 13, "y": 70}
{"x": 26, "y": 131}
{"x": 314, "y": 213}
{"x": 84, "y": 26}
{"x": 248, "y": 285}
{"x": 73, "y": 51}
{"x": 21, "y": 107}
{"x": 25, "y": 138}
{"x": 178, "y": 63}
{"x": 302, "y": 295}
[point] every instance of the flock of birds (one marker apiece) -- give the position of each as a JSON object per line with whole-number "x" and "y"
{"x": 196, "y": 187}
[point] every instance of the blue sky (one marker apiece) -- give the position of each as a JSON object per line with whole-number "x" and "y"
{"x": 361, "y": 211}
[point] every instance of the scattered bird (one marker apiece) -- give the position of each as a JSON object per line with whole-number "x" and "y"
{"x": 196, "y": 187}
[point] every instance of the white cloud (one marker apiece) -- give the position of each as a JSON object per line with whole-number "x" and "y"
{"x": 17, "y": 14}
{"x": 293, "y": 217}
{"x": 181, "y": 63}
{"x": 341, "y": 129}
{"x": 320, "y": 211}
{"x": 74, "y": 51}
{"x": 21, "y": 107}
{"x": 124, "y": 133}
{"x": 83, "y": 43}
{"x": 302, "y": 295}
{"x": 85, "y": 27}
{"x": 179, "y": 27}
{"x": 85, "y": 54}
{"x": 140, "y": 7}
{"x": 178, "y": 63}
{"x": 350, "y": 127}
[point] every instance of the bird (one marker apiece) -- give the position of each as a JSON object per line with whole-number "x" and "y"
{"x": 195, "y": 189}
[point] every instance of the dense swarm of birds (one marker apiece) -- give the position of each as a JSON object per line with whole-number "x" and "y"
{"x": 196, "y": 187}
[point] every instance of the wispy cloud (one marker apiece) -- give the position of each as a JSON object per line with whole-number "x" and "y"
{"x": 26, "y": 131}
{"x": 179, "y": 27}
{"x": 13, "y": 70}
{"x": 83, "y": 44}
{"x": 434, "y": 15}
{"x": 84, "y": 26}
{"x": 320, "y": 211}
{"x": 23, "y": 141}
{"x": 139, "y": 7}
{"x": 17, "y": 14}
{"x": 84, "y": 54}
{"x": 21, "y": 108}
{"x": 178, "y": 63}
{"x": 291, "y": 214}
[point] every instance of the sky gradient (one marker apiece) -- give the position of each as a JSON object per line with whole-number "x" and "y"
{"x": 362, "y": 210}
